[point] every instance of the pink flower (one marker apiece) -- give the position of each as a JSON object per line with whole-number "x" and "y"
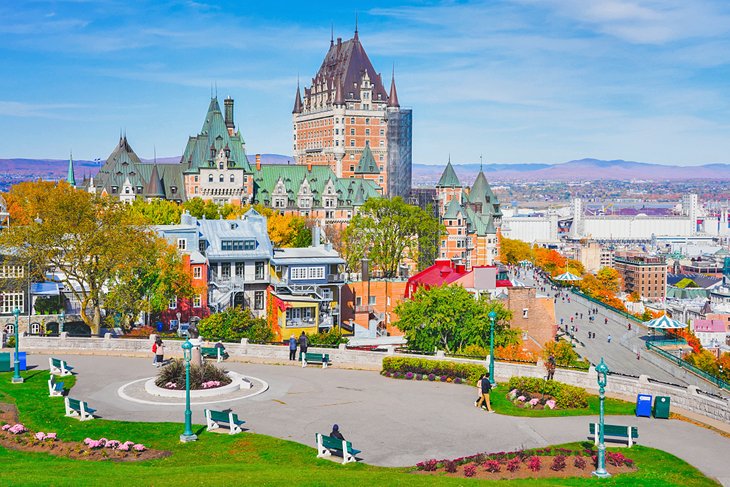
{"x": 139, "y": 447}
{"x": 112, "y": 444}
{"x": 522, "y": 398}
{"x": 123, "y": 447}
{"x": 533, "y": 402}
{"x": 5, "y": 427}
{"x": 50, "y": 436}
{"x": 40, "y": 436}
{"x": 17, "y": 429}
{"x": 550, "y": 403}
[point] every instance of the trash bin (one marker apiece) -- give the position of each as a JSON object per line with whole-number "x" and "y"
{"x": 5, "y": 361}
{"x": 643, "y": 405}
{"x": 661, "y": 407}
{"x": 160, "y": 326}
{"x": 22, "y": 361}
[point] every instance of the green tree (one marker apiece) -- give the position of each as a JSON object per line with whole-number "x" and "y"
{"x": 157, "y": 212}
{"x": 450, "y": 318}
{"x": 389, "y": 231}
{"x": 235, "y": 323}
{"x": 199, "y": 208}
{"x": 89, "y": 241}
{"x": 609, "y": 278}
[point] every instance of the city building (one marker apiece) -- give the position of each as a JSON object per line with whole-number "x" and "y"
{"x": 347, "y": 110}
{"x": 472, "y": 217}
{"x": 642, "y": 273}
{"x": 710, "y": 333}
{"x": 478, "y": 279}
{"x": 533, "y": 314}
{"x": 368, "y": 306}
{"x": 123, "y": 175}
{"x": 305, "y": 289}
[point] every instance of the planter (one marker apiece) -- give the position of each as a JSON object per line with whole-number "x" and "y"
{"x": 238, "y": 382}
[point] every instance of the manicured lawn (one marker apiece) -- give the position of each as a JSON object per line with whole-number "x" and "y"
{"x": 503, "y": 405}
{"x": 219, "y": 459}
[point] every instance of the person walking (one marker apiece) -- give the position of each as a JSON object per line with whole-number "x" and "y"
{"x": 609, "y": 338}
{"x": 292, "y": 348}
{"x": 551, "y": 367}
{"x": 160, "y": 352}
{"x": 303, "y": 345}
{"x": 486, "y": 388}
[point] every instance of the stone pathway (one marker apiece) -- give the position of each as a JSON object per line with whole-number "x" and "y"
{"x": 394, "y": 422}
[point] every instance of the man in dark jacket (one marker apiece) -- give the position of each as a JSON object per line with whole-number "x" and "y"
{"x": 486, "y": 389}
{"x": 303, "y": 345}
{"x": 336, "y": 433}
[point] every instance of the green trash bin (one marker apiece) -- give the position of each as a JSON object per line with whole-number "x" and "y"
{"x": 661, "y": 407}
{"x": 5, "y": 362}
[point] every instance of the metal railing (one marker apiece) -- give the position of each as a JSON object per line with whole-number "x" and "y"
{"x": 686, "y": 365}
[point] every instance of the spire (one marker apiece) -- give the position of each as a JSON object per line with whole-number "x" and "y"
{"x": 70, "y": 177}
{"x": 298, "y": 106}
{"x": 154, "y": 188}
{"x": 393, "y": 98}
{"x": 356, "y": 38}
{"x": 332, "y": 34}
{"x": 448, "y": 177}
{"x": 481, "y": 163}
{"x": 340, "y": 95}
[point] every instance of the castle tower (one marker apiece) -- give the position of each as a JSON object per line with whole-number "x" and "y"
{"x": 346, "y": 108}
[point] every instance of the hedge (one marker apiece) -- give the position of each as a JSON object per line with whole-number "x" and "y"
{"x": 566, "y": 396}
{"x": 469, "y": 373}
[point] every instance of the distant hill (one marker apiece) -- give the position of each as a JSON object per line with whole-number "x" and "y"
{"x": 582, "y": 169}
{"x": 19, "y": 169}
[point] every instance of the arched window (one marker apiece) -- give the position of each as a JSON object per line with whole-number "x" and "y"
{"x": 220, "y": 178}
{"x": 35, "y": 328}
{"x": 233, "y": 178}
{"x": 210, "y": 178}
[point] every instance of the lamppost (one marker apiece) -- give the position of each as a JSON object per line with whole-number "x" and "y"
{"x": 187, "y": 435}
{"x": 17, "y": 379}
{"x": 61, "y": 321}
{"x": 602, "y": 371}
{"x": 492, "y": 316}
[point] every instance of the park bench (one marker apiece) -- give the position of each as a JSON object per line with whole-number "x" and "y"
{"x": 55, "y": 389}
{"x": 59, "y": 367}
{"x": 219, "y": 353}
{"x": 316, "y": 358}
{"x": 80, "y": 409}
{"x": 327, "y": 444}
{"x": 631, "y": 433}
{"x": 215, "y": 418}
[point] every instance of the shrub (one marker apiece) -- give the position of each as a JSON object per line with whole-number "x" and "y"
{"x": 331, "y": 337}
{"x": 558, "y": 463}
{"x": 534, "y": 463}
{"x": 10, "y": 341}
{"x": 469, "y": 373}
{"x": 492, "y": 466}
{"x": 580, "y": 462}
{"x": 566, "y": 396}
{"x": 450, "y": 466}
{"x": 470, "y": 470}
{"x": 174, "y": 372}
{"x": 419, "y": 376}
{"x": 232, "y": 324}
{"x": 428, "y": 465}
{"x": 473, "y": 351}
{"x": 409, "y": 375}
{"x": 513, "y": 465}
{"x": 431, "y": 377}
{"x": 141, "y": 332}
{"x": 618, "y": 459}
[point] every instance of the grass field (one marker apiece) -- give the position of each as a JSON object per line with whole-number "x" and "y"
{"x": 503, "y": 405}
{"x": 219, "y": 459}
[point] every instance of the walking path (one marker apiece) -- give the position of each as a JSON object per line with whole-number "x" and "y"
{"x": 394, "y": 422}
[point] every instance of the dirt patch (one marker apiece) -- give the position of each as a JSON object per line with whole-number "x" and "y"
{"x": 69, "y": 449}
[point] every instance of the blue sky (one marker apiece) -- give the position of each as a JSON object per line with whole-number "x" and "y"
{"x": 514, "y": 80}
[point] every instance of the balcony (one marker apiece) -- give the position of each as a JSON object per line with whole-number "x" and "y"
{"x": 364, "y": 309}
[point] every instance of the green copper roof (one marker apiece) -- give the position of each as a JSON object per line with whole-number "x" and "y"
{"x": 154, "y": 187}
{"x": 321, "y": 181}
{"x": 70, "y": 177}
{"x": 448, "y": 178}
{"x": 202, "y": 149}
{"x": 367, "y": 164}
{"x": 482, "y": 193}
{"x": 452, "y": 210}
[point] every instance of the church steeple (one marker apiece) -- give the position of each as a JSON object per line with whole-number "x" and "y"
{"x": 70, "y": 177}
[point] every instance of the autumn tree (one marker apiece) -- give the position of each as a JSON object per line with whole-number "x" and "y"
{"x": 389, "y": 231}
{"x": 24, "y": 200}
{"x": 512, "y": 251}
{"x": 157, "y": 211}
{"x": 450, "y": 318}
{"x": 610, "y": 279}
{"x": 88, "y": 241}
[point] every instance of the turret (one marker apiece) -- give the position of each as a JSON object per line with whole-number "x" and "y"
{"x": 393, "y": 97}
{"x": 298, "y": 106}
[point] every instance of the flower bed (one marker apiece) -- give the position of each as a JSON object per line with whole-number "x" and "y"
{"x": 533, "y": 393}
{"x": 434, "y": 370}
{"x": 16, "y": 436}
{"x": 208, "y": 376}
{"x": 538, "y": 463}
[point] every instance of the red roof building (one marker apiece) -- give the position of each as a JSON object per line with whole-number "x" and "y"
{"x": 445, "y": 272}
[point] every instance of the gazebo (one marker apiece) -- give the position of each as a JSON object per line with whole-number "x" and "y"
{"x": 568, "y": 278}
{"x": 665, "y": 323}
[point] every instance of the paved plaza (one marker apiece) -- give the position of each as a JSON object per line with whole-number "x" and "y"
{"x": 394, "y": 422}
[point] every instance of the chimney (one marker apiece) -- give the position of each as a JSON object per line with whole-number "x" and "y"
{"x": 460, "y": 268}
{"x": 309, "y": 166}
{"x": 315, "y": 236}
{"x": 228, "y": 108}
{"x": 258, "y": 162}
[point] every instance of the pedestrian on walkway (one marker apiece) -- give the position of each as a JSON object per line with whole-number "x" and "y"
{"x": 303, "y": 345}
{"x": 551, "y": 367}
{"x": 609, "y": 338}
{"x": 292, "y": 348}
{"x": 160, "y": 352}
{"x": 486, "y": 388}
{"x": 154, "y": 353}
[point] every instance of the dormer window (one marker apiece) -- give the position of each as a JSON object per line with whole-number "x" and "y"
{"x": 173, "y": 189}
{"x": 220, "y": 165}
{"x": 115, "y": 189}
{"x": 228, "y": 152}
{"x": 139, "y": 189}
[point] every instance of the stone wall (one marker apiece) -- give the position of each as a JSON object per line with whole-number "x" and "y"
{"x": 688, "y": 399}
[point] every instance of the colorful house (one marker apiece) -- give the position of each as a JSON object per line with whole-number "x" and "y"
{"x": 445, "y": 272}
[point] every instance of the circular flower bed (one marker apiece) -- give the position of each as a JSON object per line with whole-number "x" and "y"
{"x": 538, "y": 463}
{"x": 207, "y": 376}
{"x": 531, "y": 400}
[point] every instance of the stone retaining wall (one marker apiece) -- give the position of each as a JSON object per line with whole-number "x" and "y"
{"x": 688, "y": 399}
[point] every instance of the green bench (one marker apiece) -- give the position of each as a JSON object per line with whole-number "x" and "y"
{"x": 326, "y": 445}
{"x": 214, "y": 419}
{"x": 80, "y": 409}
{"x": 55, "y": 389}
{"x": 218, "y": 353}
{"x": 316, "y": 358}
{"x": 631, "y": 433}
{"x": 59, "y": 367}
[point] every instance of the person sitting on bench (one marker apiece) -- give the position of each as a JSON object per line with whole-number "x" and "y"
{"x": 336, "y": 433}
